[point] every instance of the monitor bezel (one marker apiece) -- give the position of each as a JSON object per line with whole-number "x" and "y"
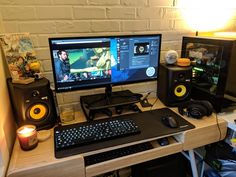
{"x": 100, "y": 85}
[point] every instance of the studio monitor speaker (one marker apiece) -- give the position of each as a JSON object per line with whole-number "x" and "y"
{"x": 174, "y": 84}
{"x": 33, "y": 103}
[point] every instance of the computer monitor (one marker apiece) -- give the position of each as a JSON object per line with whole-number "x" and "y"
{"x": 104, "y": 61}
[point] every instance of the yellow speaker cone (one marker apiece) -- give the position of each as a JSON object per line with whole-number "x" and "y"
{"x": 180, "y": 90}
{"x": 38, "y": 111}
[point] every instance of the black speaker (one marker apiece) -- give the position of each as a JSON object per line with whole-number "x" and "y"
{"x": 33, "y": 103}
{"x": 196, "y": 108}
{"x": 174, "y": 84}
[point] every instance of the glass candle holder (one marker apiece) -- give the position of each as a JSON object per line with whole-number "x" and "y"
{"x": 27, "y": 136}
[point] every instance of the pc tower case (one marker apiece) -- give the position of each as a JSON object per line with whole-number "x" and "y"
{"x": 174, "y": 165}
{"x": 213, "y": 69}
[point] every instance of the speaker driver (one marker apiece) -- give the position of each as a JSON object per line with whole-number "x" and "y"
{"x": 38, "y": 112}
{"x": 180, "y": 91}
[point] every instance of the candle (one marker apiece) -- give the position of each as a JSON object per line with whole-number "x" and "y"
{"x": 27, "y": 136}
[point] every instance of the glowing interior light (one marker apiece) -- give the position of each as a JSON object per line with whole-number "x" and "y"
{"x": 207, "y": 15}
{"x": 198, "y": 69}
{"x": 225, "y": 34}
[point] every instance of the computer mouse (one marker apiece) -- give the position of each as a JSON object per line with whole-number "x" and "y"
{"x": 170, "y": 121}
{"x": 163, "y": 141}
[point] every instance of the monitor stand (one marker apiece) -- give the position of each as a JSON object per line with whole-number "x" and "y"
{"x": 92, "y": 104}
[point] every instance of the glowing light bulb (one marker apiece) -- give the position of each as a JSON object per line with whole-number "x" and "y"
{"x": 207, "y": 15}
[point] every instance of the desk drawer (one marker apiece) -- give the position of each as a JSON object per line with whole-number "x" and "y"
{"x": 121, "y": 162}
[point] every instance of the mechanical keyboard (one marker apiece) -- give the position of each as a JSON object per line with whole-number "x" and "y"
{"x": 74, "y": 135}
{"x": 104, "y": 156}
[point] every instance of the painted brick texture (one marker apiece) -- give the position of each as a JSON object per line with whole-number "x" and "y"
{"x": 56, "y": 18}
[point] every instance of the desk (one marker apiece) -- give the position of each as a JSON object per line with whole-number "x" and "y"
{"x": 229, "y": 118}
{"x": 40, "y": 162}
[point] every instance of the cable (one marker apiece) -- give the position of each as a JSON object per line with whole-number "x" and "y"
{"x": 218, "y": 126}
{"x": 147, "y": 95}
{"x": 153, "y": 104}
{"x": 144, "y": 102}
{"x": 58, "y": 119}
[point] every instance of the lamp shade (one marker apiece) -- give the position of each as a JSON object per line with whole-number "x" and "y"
{"x": 207, "y": 15}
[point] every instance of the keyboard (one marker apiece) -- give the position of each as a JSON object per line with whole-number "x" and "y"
{"x": 104, "y": 156}
{"x": 70, "y": 136}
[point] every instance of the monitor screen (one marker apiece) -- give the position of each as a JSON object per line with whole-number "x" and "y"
{"x": 89, "y": 62}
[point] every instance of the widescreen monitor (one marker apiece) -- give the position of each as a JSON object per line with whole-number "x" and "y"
{"x": 91, "y": 62}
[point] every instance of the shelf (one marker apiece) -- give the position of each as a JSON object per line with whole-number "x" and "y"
{"x": 121, "y": 162}
{"x": 100, "y": 103}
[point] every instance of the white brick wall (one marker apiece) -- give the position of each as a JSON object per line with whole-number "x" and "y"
{"x": 138, "y": 25}
{"x": 104, "y": 2}
{"x": 51, "y": 18}
{"x": 18, "y": 13}
{"x": 37, "y": 27}
{"x": 121, "y": 13}
{"x": 110, "y": 26}
{"x": 162, "y": 3}
{"x": 70, "y": 2}
{"x": 49, "y": 12}
{"x": 134, "y": 3}
{"x": 89, "y": 13}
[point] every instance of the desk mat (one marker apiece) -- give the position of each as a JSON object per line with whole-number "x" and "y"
{"x": 149, "y": 123}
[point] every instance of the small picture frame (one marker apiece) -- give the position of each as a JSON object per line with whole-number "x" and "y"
{"x": 20, "y": 57}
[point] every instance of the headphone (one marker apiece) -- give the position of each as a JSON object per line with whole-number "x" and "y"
{"x": 196, "y": 108}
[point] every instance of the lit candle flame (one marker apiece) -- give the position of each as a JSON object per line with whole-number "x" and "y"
{"x": 26, "y": 130}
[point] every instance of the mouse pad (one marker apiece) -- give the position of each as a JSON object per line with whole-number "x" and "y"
{"x": 150, "y": 125}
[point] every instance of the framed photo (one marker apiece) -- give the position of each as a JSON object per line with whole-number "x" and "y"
{"x": 20, "y": 56}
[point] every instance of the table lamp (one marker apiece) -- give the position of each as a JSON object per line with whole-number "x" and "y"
{"x": 207, "y": 15}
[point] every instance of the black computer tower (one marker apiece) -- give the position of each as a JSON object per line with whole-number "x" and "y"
{"x": 170, "y": 166}
{"x": 213, "y": 69}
